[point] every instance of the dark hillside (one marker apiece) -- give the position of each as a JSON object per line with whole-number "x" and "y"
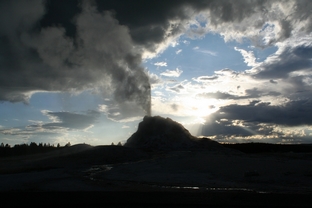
{"x": 270, "y": 148}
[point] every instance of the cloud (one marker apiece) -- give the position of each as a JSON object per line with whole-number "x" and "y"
{"x": 264, "y": 22}
{"x": 222, "y": 129}
{"x": 166, "y": 21}
{"x": 288, "y": 59}
{"x": 40, "y": 56}
{"x": 177, "y": 88}
{"x": 218, "y": 95}
{"x": 23, "y": 16}
{"x": 236, "y": 20}
{"x": 226, "y": 72}
{"x": 212, "y": 53}
{"x": 249, "y": 57}
{"x": 249, "y": 93}
{"x": 172, "y": 73}
{"x": 98, "y": 55}
{"x": 260, "y": 122}
{"x": 292, "y": 113}
{"x": 70, "y": 120}
{"x": 30, "y": 131}
{"x": 290, "y": 73}
{"x": 178, "y": 51}
{"x": 205, "y": 78}
{"x": 61, "y": 123}
{"x": 160, "y": 63}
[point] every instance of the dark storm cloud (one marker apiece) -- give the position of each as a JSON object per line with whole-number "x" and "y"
{"x": 159, "y": 17}
{"x": 303, "y": 52}
{"x": 293, "y": 113}
{"x": 255, "y": 93}
{"x": 292, "y": 68}
{"x": 298, "y": 88}
{"x": 100, "y": 55}
{"x": 257, "y": 118}
{"x": 148, "y": 21}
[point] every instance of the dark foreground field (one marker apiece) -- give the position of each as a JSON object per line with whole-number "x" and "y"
{"x": 109, "y": 176}
{"x": 156, "y": 199}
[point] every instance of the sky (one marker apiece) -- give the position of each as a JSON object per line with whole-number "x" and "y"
{"x": 83, "y": 71}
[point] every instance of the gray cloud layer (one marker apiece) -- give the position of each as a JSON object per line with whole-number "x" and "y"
{"x": 71, "y": 120}
{"x": 61, "y": 123}
{"x": 293, "y": 113}
{"x": 250, "y": 93}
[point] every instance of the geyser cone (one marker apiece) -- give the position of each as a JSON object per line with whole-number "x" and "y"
{"x": 160, "y": 133}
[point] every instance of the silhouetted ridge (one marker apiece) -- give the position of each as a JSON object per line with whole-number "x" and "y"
{"x": 160, "y": 133}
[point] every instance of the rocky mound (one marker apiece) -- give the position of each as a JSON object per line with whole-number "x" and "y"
{"x": 158, "y": 133}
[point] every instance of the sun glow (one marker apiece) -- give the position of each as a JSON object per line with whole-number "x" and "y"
{"x": 199, "y": 107}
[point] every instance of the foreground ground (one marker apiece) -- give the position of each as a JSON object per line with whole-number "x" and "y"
{"x": 176, "y": 177}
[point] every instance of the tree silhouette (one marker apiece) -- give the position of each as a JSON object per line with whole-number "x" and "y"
{"x": 67, "y": 145}
{"x": 25, "y": 149}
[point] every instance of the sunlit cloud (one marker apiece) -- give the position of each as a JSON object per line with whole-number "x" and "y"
{"x": 160, "y": 63}
{"x": 172, "y": 73}
{"x": 249, "y": 57}
{"x": 205, "y": 78}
